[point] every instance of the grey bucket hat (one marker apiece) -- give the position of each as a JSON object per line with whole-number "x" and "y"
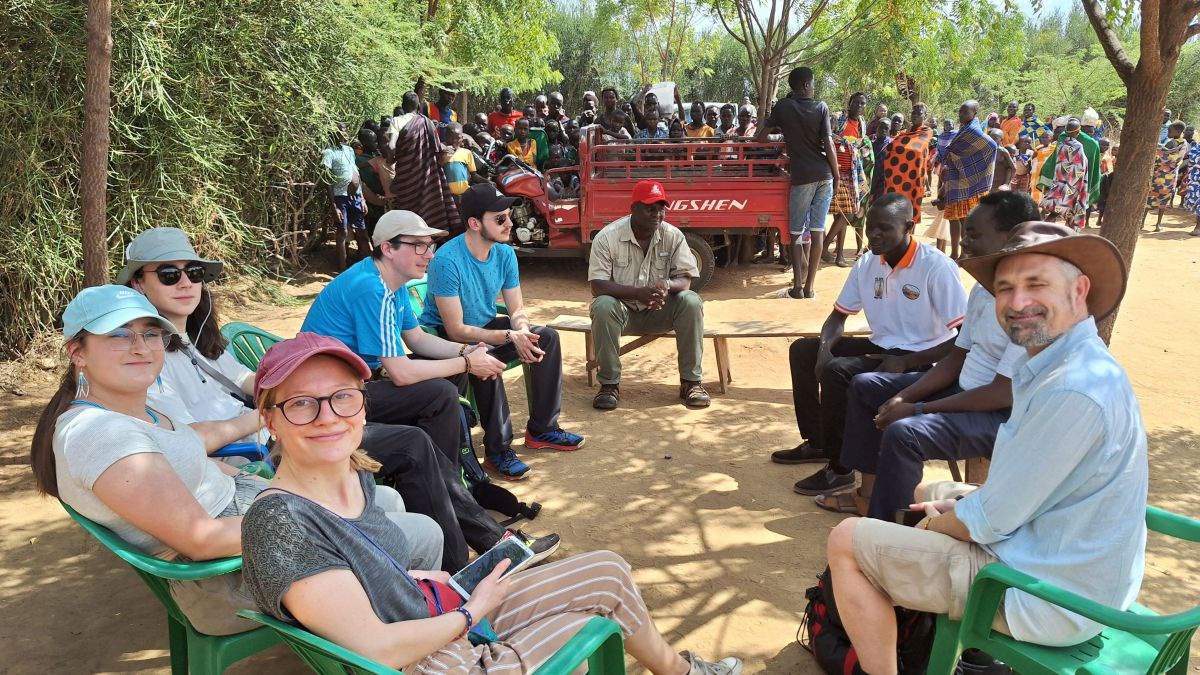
{"x": 163, "y": 244}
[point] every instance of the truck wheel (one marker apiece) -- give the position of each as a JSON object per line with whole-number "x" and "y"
{"x": 704, "y": 259}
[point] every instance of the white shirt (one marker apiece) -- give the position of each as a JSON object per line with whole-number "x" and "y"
{"x": 192, "y": 391}
{"x": 989, "y": 351}
{"x": 917, "y": 305}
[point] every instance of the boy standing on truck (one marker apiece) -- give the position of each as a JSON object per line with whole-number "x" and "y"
{"x": 804, "y": 122}
{"x": 641, "y": 272}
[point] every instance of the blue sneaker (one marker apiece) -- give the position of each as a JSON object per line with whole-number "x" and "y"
{"x": 507, "y": 465}
{"x": 555, "y": 440}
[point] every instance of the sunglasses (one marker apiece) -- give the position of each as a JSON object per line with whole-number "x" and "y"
{"x": 169, "y": 275}
{"x": 301, "y": 410}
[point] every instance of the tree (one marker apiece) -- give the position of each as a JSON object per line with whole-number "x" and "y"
{"x": 666, "y": 40}
{"x": 1165, "y": 25}
{"x": 93, "y": 169}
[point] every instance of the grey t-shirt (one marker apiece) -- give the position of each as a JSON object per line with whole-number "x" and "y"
{"x": 286, "y": 538}
{"x": 87, "y": 441}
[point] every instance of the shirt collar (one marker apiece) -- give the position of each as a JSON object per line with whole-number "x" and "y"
{"x": 627, "y": 232}
{"x": 910, "y": 255}
{"x": 1065, "y": 344}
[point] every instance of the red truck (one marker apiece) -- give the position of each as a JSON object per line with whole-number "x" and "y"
{"x": 717, "y": 188}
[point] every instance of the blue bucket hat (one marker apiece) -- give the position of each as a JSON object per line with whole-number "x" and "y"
{"x": 100, "y": 309}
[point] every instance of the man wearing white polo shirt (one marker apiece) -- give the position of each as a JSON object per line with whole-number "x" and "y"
{"x": 914, "y": 303}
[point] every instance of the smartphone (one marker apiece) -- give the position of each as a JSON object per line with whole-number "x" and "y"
{"x": 466, "y": 579}
{"x": 910, "y": 517}
{"x": 505, "y": 353}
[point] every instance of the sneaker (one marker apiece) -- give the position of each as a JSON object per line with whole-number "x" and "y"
{"x": 693, "y": 394}
{"x": 730, "y": 665}
{"x": 824, "y": 482}
{"x": 556, "y": 439}
{"x": 607, "y": 397}
{"x": 508, "y": 465}
{"x": 543, "y": 547}
{"x": 804, "y": 453}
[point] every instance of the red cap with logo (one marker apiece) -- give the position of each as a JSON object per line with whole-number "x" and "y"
{"x": 283, "y": 358}
{"x": 649, "y": 192}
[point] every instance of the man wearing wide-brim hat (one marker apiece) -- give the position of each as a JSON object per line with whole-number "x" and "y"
{"x": 1065, "y": 498}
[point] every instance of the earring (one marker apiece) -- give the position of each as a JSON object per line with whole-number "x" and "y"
{"x": 82, "y": 388}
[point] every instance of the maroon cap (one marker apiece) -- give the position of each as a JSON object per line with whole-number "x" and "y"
{"x": 283, "y": 358}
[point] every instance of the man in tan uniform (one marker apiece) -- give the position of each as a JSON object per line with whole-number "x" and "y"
{"x": 641, "y": 272}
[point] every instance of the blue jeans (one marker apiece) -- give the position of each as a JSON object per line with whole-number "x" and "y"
{"x": 808, "y": 205}
{"x": 350, "y": 212}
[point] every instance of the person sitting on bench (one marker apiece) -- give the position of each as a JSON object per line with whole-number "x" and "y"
{"x": 641, "y": 272}
{"x": 1065, "y": 499}
{"x": 897, "y": 421}
{"x": 914, "y": 302}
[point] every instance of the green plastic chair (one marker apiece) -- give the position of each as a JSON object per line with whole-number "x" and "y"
{"x": 248, "y": 343}
{"x": 417, "y": 290}
{"x": 1137, "y": 640}
{"x": 191, "y": 651}
{"x": 598, "y": 642}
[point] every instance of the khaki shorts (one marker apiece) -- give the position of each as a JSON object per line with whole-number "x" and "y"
{"x": 918, "y": 569}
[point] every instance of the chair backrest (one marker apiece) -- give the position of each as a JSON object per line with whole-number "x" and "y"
{"x": 323, "y": 656}
{"x": 248, "y": 343}
{"x": 155, "y": 571}
{"x": 416, "y": 289}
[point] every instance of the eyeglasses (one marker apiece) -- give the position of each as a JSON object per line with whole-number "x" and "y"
{"x": 301, "y": 410}
{"x": 122, "y": 339}
{"x": 419, "y": 247}
{"x": 169, "y": 275}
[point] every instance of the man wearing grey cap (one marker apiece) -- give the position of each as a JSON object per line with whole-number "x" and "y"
{"x": 366, "y": 308}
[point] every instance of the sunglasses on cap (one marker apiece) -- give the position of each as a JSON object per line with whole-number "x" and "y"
{"x": 169, "y": 275}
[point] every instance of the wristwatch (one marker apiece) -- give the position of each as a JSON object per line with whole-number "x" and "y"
{"x": 919, "y": 408}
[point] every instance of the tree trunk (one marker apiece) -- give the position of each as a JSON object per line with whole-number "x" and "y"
{"x": 1126, "y": 199}
{"x": 93, "y": 169}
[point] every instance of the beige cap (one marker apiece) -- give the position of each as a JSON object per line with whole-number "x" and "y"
{"x": 395, "y": 223}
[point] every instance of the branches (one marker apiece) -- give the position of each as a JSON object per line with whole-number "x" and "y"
{"x": 1109, "y": 40}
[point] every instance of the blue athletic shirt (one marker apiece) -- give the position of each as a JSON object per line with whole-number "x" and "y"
{"x": 454, "y": 272}
{"x": 361, "y": 311}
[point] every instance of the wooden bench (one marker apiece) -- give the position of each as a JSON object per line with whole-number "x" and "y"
{"x": 719, "y": 331}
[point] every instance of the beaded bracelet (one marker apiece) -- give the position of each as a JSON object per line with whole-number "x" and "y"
{"x": 470, "y": 621}
{"x": 468, "y": 362}
{"x": 462, "y": 350}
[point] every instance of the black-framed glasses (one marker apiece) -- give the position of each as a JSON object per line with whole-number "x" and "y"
{"x": 301, "y": 410}
{"x": 122, "y": 339}
{"x": 419, "y": 247}
{"x": 169, "y": 275}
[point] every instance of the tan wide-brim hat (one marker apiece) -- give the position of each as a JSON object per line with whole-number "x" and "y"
{"x": 1095, "y": 256}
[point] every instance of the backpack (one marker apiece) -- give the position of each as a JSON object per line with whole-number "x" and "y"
{"x": 822, "y": 634}
{"x": 489, "y": 495}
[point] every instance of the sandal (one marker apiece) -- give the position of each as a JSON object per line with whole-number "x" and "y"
{"x": 842, "y": 502}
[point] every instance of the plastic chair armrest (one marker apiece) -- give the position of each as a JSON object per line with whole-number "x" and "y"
{"x": 252, "y": 451}
{"x": 1172, "y": 524}
{"x": 991, "y": 582}
{"x": 581, "y": 645}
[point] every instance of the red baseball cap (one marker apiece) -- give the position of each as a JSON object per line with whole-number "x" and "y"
{"x": 283, "y": 358}
{"x": 649, "y": 192}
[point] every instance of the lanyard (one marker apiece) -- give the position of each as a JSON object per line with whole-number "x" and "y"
{"x": 97, "y": 405}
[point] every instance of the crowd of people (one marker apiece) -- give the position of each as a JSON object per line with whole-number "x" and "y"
{"x": 367, "y": 510}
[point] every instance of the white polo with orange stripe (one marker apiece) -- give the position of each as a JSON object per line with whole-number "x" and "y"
{"x": 916, "y": 305}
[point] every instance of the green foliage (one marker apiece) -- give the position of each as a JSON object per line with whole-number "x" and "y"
{"x": 1184, "y": 98}
{"x": 496, "y": 43}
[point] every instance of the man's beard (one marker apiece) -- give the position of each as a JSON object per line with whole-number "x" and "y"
{"x": 1030, "y": 336}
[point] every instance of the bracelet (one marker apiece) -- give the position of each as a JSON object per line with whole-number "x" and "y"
{"x": 508, "y": 336}
{"x": 470, "y": 621}
{"x": 462, "y": 351}
{"x": 468, "y": 362}
{"x": 927, "y": 522}
{"x": 919, "y": 408}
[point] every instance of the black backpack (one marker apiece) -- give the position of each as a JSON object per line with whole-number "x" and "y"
{"x": 821, "y": 633}
{"x": 488, "y": 494}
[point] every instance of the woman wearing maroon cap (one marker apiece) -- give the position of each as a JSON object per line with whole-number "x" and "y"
{"x": 318, "y": 551}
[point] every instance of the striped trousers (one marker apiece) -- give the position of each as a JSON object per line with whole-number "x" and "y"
{"x": 544, "y": 608}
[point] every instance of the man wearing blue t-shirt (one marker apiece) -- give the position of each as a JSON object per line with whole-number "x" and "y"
{"x": 366, "y": 308}
{"x": 465, "y": 277}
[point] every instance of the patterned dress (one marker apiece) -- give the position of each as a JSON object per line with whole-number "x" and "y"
{"x": 1165, "y": 176}
{"x": 906, "y": 165}
{"x": 853, "y": 187}
{"x": 1191, "y": 193}
{"x": 1067, "y": 196}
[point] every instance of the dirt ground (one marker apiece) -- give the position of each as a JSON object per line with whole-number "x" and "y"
{"x": 720, "y": 545}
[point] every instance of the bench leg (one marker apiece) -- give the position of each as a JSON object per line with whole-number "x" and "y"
{"x": 723, "y": 374}
{"x": 589, "y": 348}
{"x": 977, "y": 469}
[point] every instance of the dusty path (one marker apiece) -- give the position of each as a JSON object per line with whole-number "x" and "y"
{"x": 721, "y": 546}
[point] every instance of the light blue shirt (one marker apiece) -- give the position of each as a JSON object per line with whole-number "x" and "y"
{"x": 340, "y": 163}
{"x": 455, "y": 273}
{"x": 359, "y": 309}
{"x": 1065, "y": 498}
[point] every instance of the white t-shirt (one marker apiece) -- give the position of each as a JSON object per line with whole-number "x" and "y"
{"x": 989, "y": 349}
{"x": 195, "y": 393}
{"x": 87, "y": 441}
{"x": 915, "y": 306}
